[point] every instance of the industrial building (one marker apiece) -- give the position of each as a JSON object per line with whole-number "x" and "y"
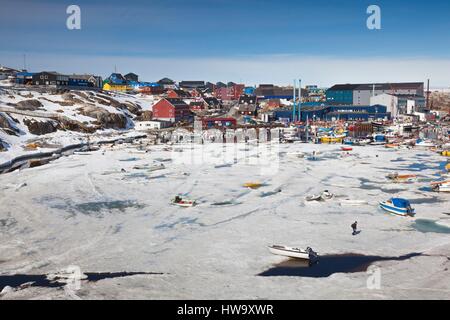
{"x": 330, "y": 113}
{"x": 398, "y": 104}
{"x": 360, "y": 94}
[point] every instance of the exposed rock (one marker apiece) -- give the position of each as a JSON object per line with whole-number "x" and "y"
{"x": 7, "y": 126}
{"x": 2, "y": 146}
{"x": 72, "y": 125}
{"x": 70, "y": 99}
{"x": 145, "y": 116}
{"x": 40, "y": 127}
{"x": 104, "y": 118}
{"x": 131, "y": 107}
{"x": 29, "y": 105}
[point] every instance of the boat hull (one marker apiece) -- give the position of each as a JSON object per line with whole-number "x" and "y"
{"x": 394, "y": 210}
{"x": 292, "y": 254}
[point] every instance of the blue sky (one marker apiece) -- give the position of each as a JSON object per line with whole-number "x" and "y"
{"x": 254, "y": 40}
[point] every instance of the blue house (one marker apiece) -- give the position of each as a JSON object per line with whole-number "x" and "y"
{"x": 24, "y": 77}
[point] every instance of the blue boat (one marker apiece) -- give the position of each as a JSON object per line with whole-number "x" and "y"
{"x": 397, "y": 206}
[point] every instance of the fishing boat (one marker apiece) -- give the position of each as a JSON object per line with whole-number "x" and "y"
{"x": 306, "y": 254}
{"x": 446, "y": 153}
{"x": 332, "y": 139}
{"x": 326, "y": 195}
{"x": 447, "y": 167}
{"x": 183, "y": 202}
{"x": 441, "y": 186}
{"x": 347, "y": 149}
{"x": 392, "y": 146}
{"x": 402, "y": 177}
{"x": 156, "y": 167}
{"x": 424, "y": 143}
{"x": 397, "y": 206}
{"x": 253, "y": 185}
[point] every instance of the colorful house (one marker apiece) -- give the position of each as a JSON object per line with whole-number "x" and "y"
{"x": 173, "y": 110}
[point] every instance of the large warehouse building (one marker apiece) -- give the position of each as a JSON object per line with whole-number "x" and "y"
{"x": 360, "y": 94}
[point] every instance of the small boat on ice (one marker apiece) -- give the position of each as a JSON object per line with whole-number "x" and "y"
{"x": 326, "y": 195}
{"x": 397, "y": 206}
{"x": 306, "y": 254}
{"x": 253, "y": 185}
{"x": 156, "y": 167}
{"x": 441, "y": 186}
{"x": 347, "y": 149}
{"x": 183, "y": 202}
{"x": 402, "y": 177}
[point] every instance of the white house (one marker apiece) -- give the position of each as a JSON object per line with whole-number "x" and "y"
{"x": 151, "y": 125}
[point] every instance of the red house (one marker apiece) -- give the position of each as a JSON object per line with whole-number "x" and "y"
{"x": 178, "y": 94}
{"x": 232, "y": 92}
{"x": 172, "y": 110}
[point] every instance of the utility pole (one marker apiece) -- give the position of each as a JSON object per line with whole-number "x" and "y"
{"x": 293, "y": 108}
{"x": 299, "y": 99}
{"x": 428, "y": 95}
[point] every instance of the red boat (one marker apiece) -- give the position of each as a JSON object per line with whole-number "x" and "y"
{"x": 347, "y": 149}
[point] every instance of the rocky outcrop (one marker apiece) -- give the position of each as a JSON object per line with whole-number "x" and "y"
{"x": 2, "y": 146}
{"x": 70, "y": 99}
{"x": 104, "y": 118}
{"x": 29, "y": 105}
{"x": 7, "y": 125}
{"x": 131, "y": 107}
{"x": 72, "y": 125}
{"x": 145, "y": 116}
{"x": 40, "y": 127}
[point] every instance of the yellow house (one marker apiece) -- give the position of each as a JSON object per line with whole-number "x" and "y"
{"x": 116, "y": 87}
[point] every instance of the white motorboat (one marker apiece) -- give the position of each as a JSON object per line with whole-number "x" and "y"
{"x": 306, "y": 254}
{"x": 424, "y": 143}
{"x": 184, "y": 202}
{"x": 398, "y": 206}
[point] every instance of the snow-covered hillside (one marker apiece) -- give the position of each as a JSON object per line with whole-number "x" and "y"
{"x": 32, "y": 120}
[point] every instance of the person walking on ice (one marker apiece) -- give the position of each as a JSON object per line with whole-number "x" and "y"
{"x": 355, "y": 227}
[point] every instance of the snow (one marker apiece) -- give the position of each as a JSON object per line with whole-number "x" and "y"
{"x": 51, "y": 107}
{"x": 82, "y": 210}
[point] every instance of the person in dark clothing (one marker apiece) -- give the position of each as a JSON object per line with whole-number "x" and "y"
{"x": 177, "y": 199}
{"x": 355, "y": 227}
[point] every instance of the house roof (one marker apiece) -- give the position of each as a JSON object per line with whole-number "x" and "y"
{"x": 166, "y": 81}
{"x": 192, "y": 84}
{"x": 177, "y": 103}
{"x": 181, "y": 93}
{"x": 82, "y": 76}
{"x": 378, "y": 86}
{"x": 211, "y": 100}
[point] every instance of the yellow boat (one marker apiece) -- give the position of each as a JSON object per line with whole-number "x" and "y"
{"x": 331, "y": 139}
{"x": 446, "y": 153}
{"x": 448, "y": 167}
{"x": 391, "y": 146}
{"x": 252, "y": 185}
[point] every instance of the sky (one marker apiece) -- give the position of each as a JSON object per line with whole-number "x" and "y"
{"x": 251, "y": 41}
